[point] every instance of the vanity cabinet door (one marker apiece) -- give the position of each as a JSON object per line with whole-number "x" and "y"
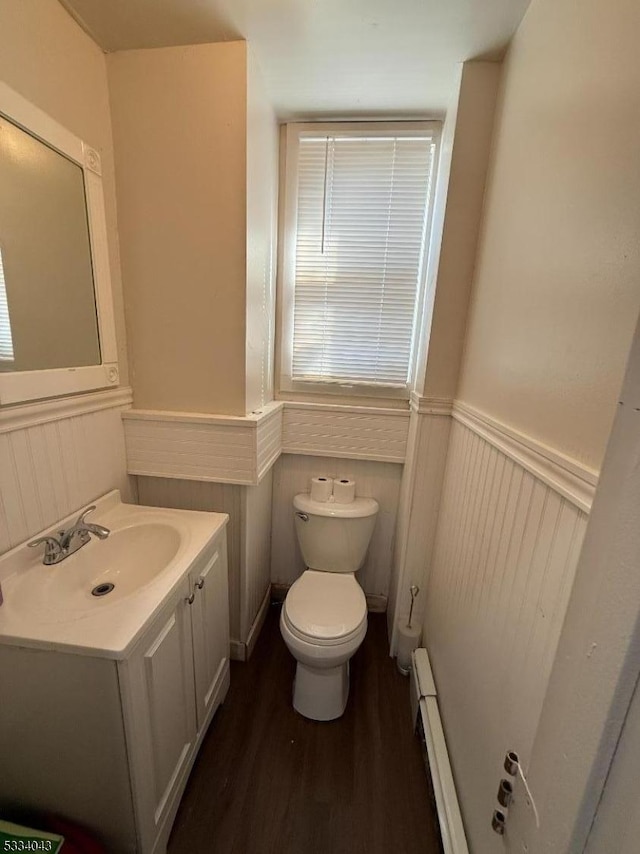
{"x": 210, "y": 622}
{"x": 157, "y": 694}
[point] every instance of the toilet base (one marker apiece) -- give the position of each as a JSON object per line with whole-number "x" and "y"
{"x": 321, "y": 694}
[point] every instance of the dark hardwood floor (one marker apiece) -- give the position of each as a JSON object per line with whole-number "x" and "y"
{"x": 268, "y": 780}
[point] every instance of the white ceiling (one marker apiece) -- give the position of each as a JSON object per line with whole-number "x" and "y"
{"x": 325, "y": 57}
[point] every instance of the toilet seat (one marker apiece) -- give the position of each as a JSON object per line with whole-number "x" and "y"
{"x": 325, "y": 608}
{"x": 321, "y": 642}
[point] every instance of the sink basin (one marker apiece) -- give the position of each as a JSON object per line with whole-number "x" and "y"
{"x": 128, "y": 559}
{"x": 143, "y": 564}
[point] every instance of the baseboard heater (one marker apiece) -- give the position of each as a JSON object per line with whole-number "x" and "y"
{"x": 428, "y": 725}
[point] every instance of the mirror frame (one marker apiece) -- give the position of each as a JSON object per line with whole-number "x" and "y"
{"x": 23, "y": 386}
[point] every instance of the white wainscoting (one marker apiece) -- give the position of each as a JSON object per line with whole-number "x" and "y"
{"x": 353, "y": 432}
{"x": 193, "y": 446}
{"x": 292, "y": 474}
{"x": 56, "y": 457}
{"x": 509, "y": 534}
{"x": 248, "y": 540}
{"x": 205, "y": 495}
{"x": 268, "y": 441}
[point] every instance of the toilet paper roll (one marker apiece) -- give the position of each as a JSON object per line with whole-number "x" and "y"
{"x": 344, "y": 491}
{"x": 321, "y": 488}
{"x": 408, "y": 640}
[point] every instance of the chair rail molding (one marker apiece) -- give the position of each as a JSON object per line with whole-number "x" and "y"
{"x": 567, "y": 476}
{"x": 430, "y": 405}
{"x": 241, "y": 450}
{"x": 24, "y": 415}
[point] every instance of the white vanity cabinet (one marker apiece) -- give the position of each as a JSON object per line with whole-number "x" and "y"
{"x": 106, "y": 735}
{"x": 210, "y": 630}
{"x": 171, "y": 685}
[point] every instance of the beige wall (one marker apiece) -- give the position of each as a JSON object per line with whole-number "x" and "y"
{"x": 262, "y": 193}
{"x": 179, "y": 119}
{"x": 556, "y": 293}
{"x": 48, "y": 59}
{"x": 463, "y": 168}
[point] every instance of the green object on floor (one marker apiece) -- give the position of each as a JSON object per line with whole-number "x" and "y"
{"x": 13, "y": 837}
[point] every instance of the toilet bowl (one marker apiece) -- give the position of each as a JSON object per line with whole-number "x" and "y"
{"x": 324, "y": 616}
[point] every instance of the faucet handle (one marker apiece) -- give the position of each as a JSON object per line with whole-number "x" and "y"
{"x": 52, "y": 547}
{"x": 84, "y": 514}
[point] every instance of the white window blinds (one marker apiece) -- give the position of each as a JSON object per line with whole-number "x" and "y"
{"x": 362, "y": 213}
{"x": 6, "y": 341}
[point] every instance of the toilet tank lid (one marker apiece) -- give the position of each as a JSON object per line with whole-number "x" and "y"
{"x": 357, "y": 509}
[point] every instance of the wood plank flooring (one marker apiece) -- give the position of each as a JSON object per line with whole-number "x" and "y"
{"x": 268, "y": 780}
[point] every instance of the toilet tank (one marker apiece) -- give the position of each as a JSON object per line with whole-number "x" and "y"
{"x": 334, "y": 537}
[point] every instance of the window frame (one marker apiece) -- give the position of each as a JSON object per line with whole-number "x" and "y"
{"x": 286, "y": 385}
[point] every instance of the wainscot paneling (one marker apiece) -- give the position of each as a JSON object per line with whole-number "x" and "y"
{"x": 269, "y": 441}
{"x": 510, "y": 528}
{"x": 293, "y": 473}
{"x": 56, "y": 457}
{"x": 248, "y": 541}
{"x": 205, "y": 495}
{"x": 193, "y": 446}
{"x": 351, "y": 432}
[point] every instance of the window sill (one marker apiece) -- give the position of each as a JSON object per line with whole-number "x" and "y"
{"x": 344, "y": 399}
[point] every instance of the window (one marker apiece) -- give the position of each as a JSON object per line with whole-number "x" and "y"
{"x": 6, "y": 339}
{"x": 357, "y": 215}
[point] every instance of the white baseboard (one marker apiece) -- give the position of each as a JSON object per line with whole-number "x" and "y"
{"x": 237, "y": 650}
{"x": 258, "y": 623}
{"x": 376, "y": 604}
{"x": 242, "y": 651}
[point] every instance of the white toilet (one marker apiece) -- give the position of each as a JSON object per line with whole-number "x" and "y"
{"x": 324, "y": 617}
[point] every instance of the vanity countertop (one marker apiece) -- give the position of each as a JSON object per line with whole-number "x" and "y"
{"x": 51, "y": 607}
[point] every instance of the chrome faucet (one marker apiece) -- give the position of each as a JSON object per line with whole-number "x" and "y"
{"x": 56, "y": 549}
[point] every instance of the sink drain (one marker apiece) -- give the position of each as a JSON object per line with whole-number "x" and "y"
{"x": 102, "y": 589}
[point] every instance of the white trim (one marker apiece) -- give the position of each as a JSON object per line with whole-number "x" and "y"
{"x": 376, "y": 603}
{"x": 269, "y": 440}
{"x": 419, "y": 504}
{"x": 256, "y": 627}
{"x": 237, "y": 650}
{"x": 200, "y": 418}
{"x": 454, "y": 840}
{"x": 32, "y": 414}
{"x": 286, "y": 254}
{"x": 570, "y": 478}
{"x": 241, "y": 450}
{"x": 354, "y": 408}
{"x": 20, "y": 386}
{"x": 430, "y": 405}
{"x": 202, "y": 446}
{"x": 425, "y": 710}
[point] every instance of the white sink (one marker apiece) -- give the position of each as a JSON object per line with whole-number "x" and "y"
{"x": 128, "y": 559}
{"x": 144, "y": 558}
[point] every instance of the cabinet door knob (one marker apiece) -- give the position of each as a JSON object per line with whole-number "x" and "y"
{"x": 200, "y": 583}
{"x": 189, "y": 599}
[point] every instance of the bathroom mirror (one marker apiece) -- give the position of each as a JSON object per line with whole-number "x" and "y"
{"x": 56, "y": 319}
